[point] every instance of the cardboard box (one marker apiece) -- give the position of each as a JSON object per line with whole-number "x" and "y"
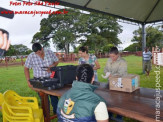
{"x": 128, "y": 83}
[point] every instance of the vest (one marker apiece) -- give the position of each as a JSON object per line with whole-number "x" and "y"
{"x": 79, "y": 103}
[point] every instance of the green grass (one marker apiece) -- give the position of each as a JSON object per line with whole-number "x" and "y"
{"x": 13, "y": 77}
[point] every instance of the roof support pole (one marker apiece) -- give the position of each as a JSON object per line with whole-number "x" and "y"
{"x": 143, "y": 43}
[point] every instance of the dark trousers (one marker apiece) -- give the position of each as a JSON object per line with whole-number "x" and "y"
{"x": 54, "y": 102}
{"x": 118, "y": 118}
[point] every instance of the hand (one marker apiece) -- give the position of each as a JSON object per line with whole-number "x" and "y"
{"x": 29, "y": 84}
{"x": 110, "y": 76}
{"x": 48, "y": 70}
{"x": 51, "y": 66}
{"x": 4, "y": 42}
{"x": 106, "y": 75}
{"x": 94, "y": 68}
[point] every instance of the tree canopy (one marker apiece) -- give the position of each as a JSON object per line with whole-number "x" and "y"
{"x": 154, "y": 37}
{"x": 133, "y": 47}
{"x": 18, "y": 50}
{"x": 64, "y": 30}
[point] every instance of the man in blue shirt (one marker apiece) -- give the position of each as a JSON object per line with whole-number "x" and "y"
{"x": 147, "y": 56}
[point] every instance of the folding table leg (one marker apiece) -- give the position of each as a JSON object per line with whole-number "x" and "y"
{"x": 45, "y": 106}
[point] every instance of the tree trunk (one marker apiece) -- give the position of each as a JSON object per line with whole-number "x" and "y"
{"x": 67, "y": 48}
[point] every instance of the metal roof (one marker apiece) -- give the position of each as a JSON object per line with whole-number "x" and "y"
{"x": 140, "y": 11}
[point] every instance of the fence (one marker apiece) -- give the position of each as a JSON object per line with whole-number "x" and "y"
{"x": 67, "y": 57}
{"x": 138, "y": 53}
{"x": 8, "y": 61}
{"x": 157, "y": 56}
{"x": 122, "y": 54}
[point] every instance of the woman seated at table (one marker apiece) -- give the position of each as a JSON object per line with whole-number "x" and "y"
{"x": 80, "y": 103}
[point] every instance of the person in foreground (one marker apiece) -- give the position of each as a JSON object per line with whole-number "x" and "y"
{"x": 80, "y": 103}
{"x": 115, "y": 66}
{"x": 38, "y": 59}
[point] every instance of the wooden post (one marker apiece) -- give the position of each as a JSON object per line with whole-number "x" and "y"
{"x": 22, "y": 60}
{"x": 45, "y": 106}
{"x": 6, "y": 62}
{"x": 153, "y": 49}
{"x": 64, "y": 57}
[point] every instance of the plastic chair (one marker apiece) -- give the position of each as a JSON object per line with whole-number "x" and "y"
{"x": 14, "y": 114}
{"x": 21, "y": 114}
{"x": 1, "y": 100}
{"x": 14, "y": 99}
{"x": 14, "y": 110}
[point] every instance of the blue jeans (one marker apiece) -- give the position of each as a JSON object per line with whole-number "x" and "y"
{"x": 96, "y": 77}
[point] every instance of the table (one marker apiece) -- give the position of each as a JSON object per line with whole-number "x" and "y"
{"x": 139, "y": 105}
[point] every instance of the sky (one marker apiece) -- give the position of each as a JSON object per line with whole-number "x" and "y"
{"x": 23, "y": 26}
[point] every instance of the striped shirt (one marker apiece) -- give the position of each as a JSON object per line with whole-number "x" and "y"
{"x": 35, "y": 62}
{"x": 147, "y": 56}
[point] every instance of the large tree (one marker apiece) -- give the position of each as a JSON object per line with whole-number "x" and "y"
{"x": 99, "y": 30}
{"x": 95, "y": 43}
{"x": 60, "y": 28}
{"x": 64, "y": 29}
